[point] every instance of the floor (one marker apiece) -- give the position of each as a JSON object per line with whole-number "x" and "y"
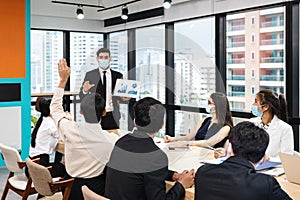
{"x": 12, "y": 195}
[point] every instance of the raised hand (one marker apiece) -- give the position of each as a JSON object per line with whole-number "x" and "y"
{"x": 64, "y": 72}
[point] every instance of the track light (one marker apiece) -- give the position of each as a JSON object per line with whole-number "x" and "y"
{"x": 124, "y": 12}
{"x": 167, "y": 4}
{"x": 79, "y": 12}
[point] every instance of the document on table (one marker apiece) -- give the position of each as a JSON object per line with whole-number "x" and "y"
{"x": 214, "y": 161}
{"x": 267, "y": 165}
{"x": 277, "y": 171}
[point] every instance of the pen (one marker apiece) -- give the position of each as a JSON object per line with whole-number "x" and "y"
{"x": 210, "y": 147}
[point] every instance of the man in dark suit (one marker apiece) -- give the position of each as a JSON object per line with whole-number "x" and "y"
{"x": 236, "y": 178}
{"x": 137, "y": 168}
{"x": 103, "y": 81}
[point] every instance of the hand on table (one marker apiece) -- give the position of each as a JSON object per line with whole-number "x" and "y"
{"x": 186, "y": 178}
{"x": 168, "y": 139}
{"x": 219, "y": 152}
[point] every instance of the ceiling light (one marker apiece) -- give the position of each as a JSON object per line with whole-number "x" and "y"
{"x": 124, "y": 12}
{"x": 79, "y": 12}
{"x": 167, "y": 4}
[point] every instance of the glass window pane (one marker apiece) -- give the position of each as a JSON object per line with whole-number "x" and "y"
{"x": 118, "y": 48}
{"x": 194, "y": 61}
{"x": 258, "y": 63}
{"x": 46, "y": 50}
{"x": 150, "y": 61}
{"x": 83, "y": 49}
{"x": 186, "y": 122}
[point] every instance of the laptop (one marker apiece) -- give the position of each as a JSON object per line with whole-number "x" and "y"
{"x": 291, "y": 165}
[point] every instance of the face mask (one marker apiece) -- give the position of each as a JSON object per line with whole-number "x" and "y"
{"x": 103, "y": 64}
{"x": 208, "y": 108}
{"x": 254, "y": 110}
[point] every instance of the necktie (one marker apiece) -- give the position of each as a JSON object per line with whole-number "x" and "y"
{"x": 104, "y": 86}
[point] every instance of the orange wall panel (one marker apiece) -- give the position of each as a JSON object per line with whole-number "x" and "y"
{"x": 12, "y": 39}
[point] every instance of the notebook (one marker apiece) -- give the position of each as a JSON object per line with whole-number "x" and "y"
{"x": 291, "y": 165}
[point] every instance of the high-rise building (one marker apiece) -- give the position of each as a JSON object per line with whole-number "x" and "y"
{"x": 255, "y": 55}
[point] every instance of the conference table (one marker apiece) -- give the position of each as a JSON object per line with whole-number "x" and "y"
{"x": 187, "y": 158}
{"x": 192, "y": 158}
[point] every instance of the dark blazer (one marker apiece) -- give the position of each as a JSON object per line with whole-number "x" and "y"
{"x": 236, "y": 179}
{"x": 93, "y": 77}
{"x": 137, "y": 170}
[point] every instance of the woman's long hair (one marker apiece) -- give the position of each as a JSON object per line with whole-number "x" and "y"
{"x": 222, "y": 108}
{"x": 44, "y": 107}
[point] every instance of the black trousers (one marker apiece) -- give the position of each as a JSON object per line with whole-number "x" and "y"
{"x": 57, "y": 170}
{"x": 110, "y": 121}
{"x": 96, "y": 184}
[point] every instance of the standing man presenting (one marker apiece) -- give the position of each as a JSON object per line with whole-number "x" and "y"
{"x": 103, "y": 81}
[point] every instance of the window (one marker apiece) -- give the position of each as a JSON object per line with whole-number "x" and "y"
{"x": 82, "y": 59}
{"x": 252, "y": 20}
{"x": 85, "y": 49}
{"x": 118, "y": 50}
{"x": 150, "y": 61}
{"x": 263, "y": 58}
{"x": 46, "y": 50}
{"x": 253, "y": 90}
{"x": 185, "y": 122}
{"x": 194, "y": 61}
{"x": 252, "y": 73}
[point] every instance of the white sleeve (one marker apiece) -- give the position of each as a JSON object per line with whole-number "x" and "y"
{"x": 287, "y": 140}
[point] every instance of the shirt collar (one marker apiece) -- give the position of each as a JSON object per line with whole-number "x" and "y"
{"x": 101, "y": 70}
{"x": 265, "y": 127}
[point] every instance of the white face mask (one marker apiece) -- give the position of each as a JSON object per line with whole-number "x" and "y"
{"x": 103, "y": 64}
{"x": 208, "y": 108}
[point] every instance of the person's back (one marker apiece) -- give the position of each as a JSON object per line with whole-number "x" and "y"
{"x": 137, "y": 168}
{"x": 236, "y": 178}
{"x": 135, "y": 160}
{"x": 87, "y": 146}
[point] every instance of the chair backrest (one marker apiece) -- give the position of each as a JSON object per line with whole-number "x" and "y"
{"x": 90, "y": 195}
{"x": 41, "y": 177}
{"x": 11, "y": 157}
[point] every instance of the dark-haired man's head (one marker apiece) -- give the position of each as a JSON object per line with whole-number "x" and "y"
{"x": 249, "y": 141}
{"x": 149, "y": 115}
{"x": 92, "y": 107}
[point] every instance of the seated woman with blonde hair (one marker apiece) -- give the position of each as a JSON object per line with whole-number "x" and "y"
{"x": 211, "y": 131}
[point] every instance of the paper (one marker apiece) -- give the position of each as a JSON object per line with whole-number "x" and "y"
{"x": 267, "y": 165}
{"x": 127, "y": 88}
{"x": 179, "y": 148}
{"x": 274, "y": 172}
{"x": 214, "y": 161}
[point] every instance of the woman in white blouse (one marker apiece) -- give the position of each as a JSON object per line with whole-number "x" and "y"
{"x": 271, "y": 111}
{"x": 44, "y": 138}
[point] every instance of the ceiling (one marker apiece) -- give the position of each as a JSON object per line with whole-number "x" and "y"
{"x": 47, "y": 8}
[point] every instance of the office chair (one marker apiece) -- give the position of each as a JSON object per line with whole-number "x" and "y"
{"x": 90, "y": 195}
{"x": 44, "y": 184}
{"x": 17, "y": 183}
